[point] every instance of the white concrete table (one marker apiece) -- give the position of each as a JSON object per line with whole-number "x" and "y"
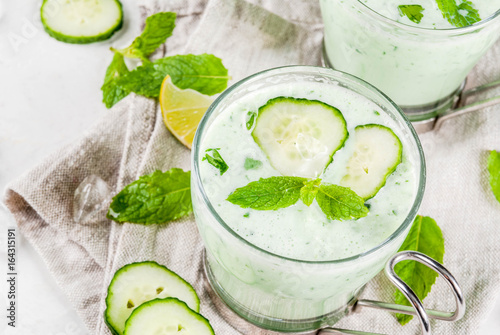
{"x": 49, "y": 94}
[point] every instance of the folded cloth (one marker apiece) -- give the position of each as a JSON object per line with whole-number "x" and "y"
{"x": 131, "y": 140}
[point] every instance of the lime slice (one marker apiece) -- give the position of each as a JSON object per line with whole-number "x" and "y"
{"x": 182, "y": 110}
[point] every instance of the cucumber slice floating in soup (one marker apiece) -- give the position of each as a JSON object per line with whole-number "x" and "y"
{"x": 166, "y": 317}
{"x": 299, "y": 136}
{"x": 81, "y": 21}
{"x": 377, "y": 153}
{"x": 137, "y": 283}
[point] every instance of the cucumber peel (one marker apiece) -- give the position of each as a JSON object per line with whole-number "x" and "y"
{"x": 299, "y": 136}
{"x": 81, "y": 21}
{"x": 136, "y": 283}
{"x": 378, "y": 151}
{"x": 166, "y": 317}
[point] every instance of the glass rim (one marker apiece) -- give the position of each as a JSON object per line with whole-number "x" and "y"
{"x": 335, "y": 75}
{"x": 457, "y": 30}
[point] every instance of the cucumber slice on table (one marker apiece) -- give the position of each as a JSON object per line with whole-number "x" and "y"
{"x": 377, "y": 153}
{"x": 166, "y": 317}
{"x": 299, "y": 136}
{"x": 81, "y": 21}
{"x": 137, "y": 283}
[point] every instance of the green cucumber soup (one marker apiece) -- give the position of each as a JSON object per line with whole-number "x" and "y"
{"x": 418, "y": 52}
{"x": 293, "y": 269}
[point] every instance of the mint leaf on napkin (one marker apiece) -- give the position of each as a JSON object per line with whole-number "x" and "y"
{"x": 340, "y": 203}
{"x": 413, "y": 12}
{"x": 155, "y": 198}
{"x": 216, "y": 160}
{"x": 462, "y": 15}
{"x": 204, "y": 73}
{"x": 111, "y": 92}
{"x": 426, "y": 237}
{"x": 494, "y": 170}
{"x": 157, "y": 29}
{"x": 268, "y": 194}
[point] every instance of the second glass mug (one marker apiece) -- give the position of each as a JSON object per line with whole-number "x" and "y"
{"x": 275, "y": 292}
{"x": 421, "y": 69}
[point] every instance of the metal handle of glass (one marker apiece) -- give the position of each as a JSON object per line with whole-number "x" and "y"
{"x": 462, "y": 108}
{"x": 417, "y": 308}
{"x": 473, "y": 107}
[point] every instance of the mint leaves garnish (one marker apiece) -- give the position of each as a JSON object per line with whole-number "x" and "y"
{"x": 157, "y": 29}
{"x": 337, "y": 202}
{"x": 204, "y": 73}
{"x": 462, "y": 15}
{"x": 155, "y": 198}
{"x": 494, "y": 170}
{"x": 268, "y": 194}
{"x": 340, "y": 203}
{"x": 413, "y": 12}
{"x": 309, "y": 191}
{"x": 216, "y": 160}
{"x": 426, "y": 237}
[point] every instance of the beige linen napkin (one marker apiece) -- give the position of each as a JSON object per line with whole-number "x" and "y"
{"x": 131, "y": 140}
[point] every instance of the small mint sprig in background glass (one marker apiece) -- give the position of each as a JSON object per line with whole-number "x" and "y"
{"x": 459, "y": 16}
{"x": 413, "y": 12}
{"x": 462, "y": 15}
{"x": 337, "y": 202}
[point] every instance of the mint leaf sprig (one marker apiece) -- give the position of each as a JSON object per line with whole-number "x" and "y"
{"x": 204, "y": 73}
{"x": 426, "y": 237}
{"x": 455, "y": 13}
{"x": 337, "y": 202}
{"x": 154, "y": 198}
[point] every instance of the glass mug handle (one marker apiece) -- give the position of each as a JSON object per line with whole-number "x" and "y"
{"x": 417, "y": 308}
{"x": 436, "y": 123}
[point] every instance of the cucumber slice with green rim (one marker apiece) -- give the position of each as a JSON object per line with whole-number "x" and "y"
{"x": 81, "y": 21}
{"x": 166, "y": 317}
{"x": 137, "y": 283}
{"x": 377, "y": 153}
{"x": 299, "y": 136}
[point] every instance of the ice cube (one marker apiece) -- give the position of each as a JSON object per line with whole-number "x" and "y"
{"x": 91, "y": 197}
{"x": 309, "y": 147}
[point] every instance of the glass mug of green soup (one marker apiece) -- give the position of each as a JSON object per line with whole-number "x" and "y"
{"x": 305, "y": 182}
{"x": 419, "y": 54}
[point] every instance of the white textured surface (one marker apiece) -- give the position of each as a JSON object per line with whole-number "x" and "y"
{"x": 49, "y": 94}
